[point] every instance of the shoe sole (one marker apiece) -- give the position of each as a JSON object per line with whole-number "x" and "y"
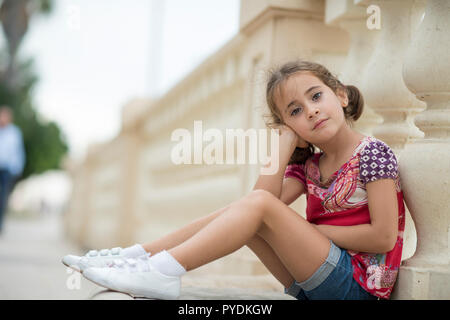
{"x": 128, "y": 293}
{"x": 115, "y": 290}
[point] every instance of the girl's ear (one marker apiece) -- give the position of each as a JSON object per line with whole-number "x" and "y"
{"x": 341, "y": 93}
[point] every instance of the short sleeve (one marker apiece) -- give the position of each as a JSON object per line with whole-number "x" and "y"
{"x": 377, "y": 162}
{"x": 296, "y": 171}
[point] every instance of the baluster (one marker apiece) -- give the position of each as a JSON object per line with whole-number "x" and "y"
{"x": 362, "y": 46}
{"x": 425, "y": 166}
{"x": 385, "y": 91}
{"x": 382, "y": 83}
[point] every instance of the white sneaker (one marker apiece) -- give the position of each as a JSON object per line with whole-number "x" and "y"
{"x": 101, "y": 258}
{"x": 137, "y": 278}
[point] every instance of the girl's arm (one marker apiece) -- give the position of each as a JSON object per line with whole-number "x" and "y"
{"x": 381, "y": 234}
{"x": 291, "y": 190}
{"x": 274, "y": 182}
{"x": 287, "y": 144}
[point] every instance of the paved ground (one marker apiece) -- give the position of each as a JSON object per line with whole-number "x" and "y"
{"x": 30, "y": 268}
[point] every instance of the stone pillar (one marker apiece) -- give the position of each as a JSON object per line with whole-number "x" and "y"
{"x": 131, "y": 145}
{"x": 387, "y": 94}
{"x": 383, "y": 84}
{"x": 352, "y": 19}
{"x": 362, "y": 45}
{"x": 425, "y": 165}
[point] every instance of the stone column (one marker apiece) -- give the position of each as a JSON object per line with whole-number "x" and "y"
{"x": 425, "y": 165}
{"x": 383, "y": 84}
{"x": 362, "y": 46}
{"x": 352, "y": 19}
{"x": 385, "y": 91}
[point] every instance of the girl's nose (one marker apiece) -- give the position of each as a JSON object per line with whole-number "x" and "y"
{"x": 312, "y": 112}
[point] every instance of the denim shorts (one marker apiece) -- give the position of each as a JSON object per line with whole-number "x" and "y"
{"x": 332, "y": 281}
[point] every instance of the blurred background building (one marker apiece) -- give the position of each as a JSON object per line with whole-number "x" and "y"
{"x": 126, "y": 189}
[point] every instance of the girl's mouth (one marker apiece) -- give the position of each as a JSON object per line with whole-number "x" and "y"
{"x": 319, "y": 124}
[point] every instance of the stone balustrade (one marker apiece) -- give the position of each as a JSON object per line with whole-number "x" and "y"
{"x": 129, "y": 190}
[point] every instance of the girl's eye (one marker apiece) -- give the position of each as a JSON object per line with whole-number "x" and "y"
{"x": 317, "y": 96}
{"x": 295, "y": 111}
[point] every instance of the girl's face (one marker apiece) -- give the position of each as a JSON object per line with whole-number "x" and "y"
{"x": 304, "y": 102}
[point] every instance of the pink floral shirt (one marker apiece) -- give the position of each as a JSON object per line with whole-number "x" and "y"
{"x": 342, "y": 201}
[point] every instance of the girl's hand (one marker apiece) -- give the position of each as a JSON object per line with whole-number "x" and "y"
{"x": 289, "y": 136}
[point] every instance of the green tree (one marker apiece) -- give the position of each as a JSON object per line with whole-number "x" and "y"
{"x": 45, "y": 144}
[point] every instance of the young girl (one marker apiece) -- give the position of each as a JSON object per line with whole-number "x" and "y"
{"x": 350, "y": 245}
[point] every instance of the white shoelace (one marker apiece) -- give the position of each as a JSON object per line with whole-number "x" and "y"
{"x": 139, "y": 264}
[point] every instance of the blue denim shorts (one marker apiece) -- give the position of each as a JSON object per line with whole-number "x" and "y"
{"x": 332, "y": 281}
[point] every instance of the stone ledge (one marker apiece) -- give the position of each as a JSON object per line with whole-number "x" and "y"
{"x": 217, "y": 287}
{"x": 202, "y": 293}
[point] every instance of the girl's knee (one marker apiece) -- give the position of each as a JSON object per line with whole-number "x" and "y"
{"x": 261, "y": 196}
{"x": 258, "y": 201}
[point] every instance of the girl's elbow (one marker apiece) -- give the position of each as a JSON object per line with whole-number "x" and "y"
{"x": 388, "y": 242}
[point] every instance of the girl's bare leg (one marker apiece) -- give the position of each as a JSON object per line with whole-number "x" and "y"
{"x": 300, "y": 247}
{"x": 271, "y": 261}
{"x": 258, "y": 245}
{"x": 180, "y": 235}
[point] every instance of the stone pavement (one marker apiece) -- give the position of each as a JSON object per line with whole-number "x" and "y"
{"x": 30, "y": 268}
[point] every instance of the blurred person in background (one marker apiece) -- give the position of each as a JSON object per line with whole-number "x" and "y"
{"x": 12, "y": 157}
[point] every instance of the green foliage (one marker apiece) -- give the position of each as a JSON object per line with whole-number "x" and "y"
{"x": 45, "y": 6}
{"x": 45, "y": 145}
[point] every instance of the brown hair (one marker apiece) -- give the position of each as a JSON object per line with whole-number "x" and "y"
{"x": 277, "y": 77}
